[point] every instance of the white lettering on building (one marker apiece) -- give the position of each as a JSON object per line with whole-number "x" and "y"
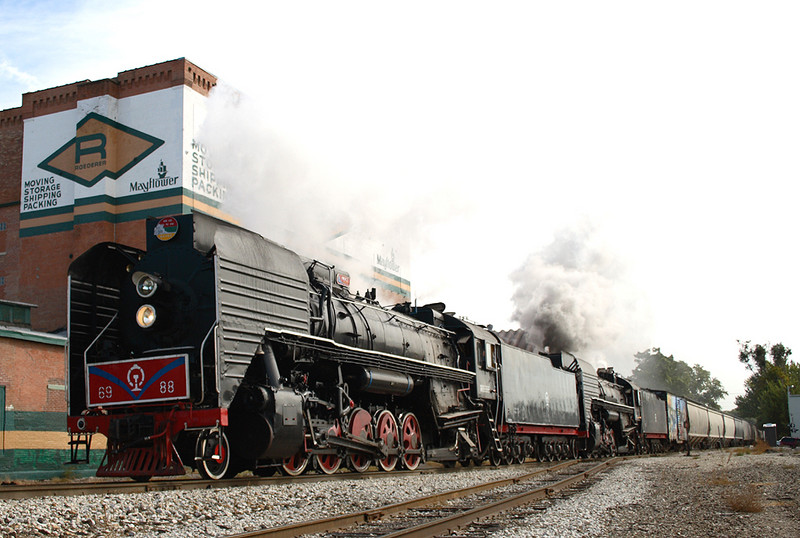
{"x": 203, "y": 180}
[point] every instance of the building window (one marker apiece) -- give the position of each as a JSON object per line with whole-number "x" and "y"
{"x": 15, "y": 314}
{"x": 3, "y": 226}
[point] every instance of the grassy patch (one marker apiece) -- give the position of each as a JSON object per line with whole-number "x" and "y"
{"x": 720, "y": 480}
{"x": 745, "y": 500}
{"x": 760, "y": 447}
{"x": 67, "y": 476}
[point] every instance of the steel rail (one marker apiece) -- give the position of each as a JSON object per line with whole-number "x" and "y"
{"x": 188, "y": 482}
{"x": 354, "y": 518}
{"x": 68, "y": 489}
{"x": 436, "y": 527}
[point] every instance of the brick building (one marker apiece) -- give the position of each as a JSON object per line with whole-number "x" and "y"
{"x": 32, "y": 406}
{"x": 88, "y": 162}
{"x": 80, "y": 164}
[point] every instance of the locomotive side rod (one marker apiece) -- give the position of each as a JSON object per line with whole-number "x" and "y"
{"x": 357, "y": 444}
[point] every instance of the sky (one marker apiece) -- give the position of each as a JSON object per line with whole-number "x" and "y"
{"x": 636, "y": 161}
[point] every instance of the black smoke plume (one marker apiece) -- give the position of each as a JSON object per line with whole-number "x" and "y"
{"x": 572, "y": 295}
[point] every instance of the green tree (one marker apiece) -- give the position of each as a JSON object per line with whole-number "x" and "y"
{"x": 765, "y": 397}
{"x": 655, "y": 370}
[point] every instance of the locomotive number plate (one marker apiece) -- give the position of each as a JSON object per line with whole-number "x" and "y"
{"x": 139, "y": 380}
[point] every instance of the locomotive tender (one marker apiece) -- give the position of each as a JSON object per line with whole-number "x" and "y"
{"x": 218, "y": 349}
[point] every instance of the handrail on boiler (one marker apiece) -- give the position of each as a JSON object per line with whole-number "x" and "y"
{"x": 86, "y": 354}
{"x": 96, "y": 338}
{"x": 202, "y": 368}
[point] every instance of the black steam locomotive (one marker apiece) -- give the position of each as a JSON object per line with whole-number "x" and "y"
{"x": 220, "y": 350}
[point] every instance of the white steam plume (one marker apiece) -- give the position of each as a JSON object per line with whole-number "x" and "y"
{"x": 285, "y": 190}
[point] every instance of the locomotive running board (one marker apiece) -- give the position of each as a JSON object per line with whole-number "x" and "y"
{"x": 363, "y": 357}
{"x": 453, "y": 420}
{"x": 615, "y": 406}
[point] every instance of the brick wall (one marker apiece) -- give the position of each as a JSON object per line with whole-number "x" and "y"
{"x": 10, "y": 174}
{"x": 34, "y": 269}
{"x": 27, "y": 369}
{"x": 9, "y": 251}
{"x": 11, "y": 130}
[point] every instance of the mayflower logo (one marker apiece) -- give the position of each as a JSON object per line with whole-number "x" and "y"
{"x": 101, "y": 148}
{"x": 389, "y": 262}
{"x": 163, "y": 180}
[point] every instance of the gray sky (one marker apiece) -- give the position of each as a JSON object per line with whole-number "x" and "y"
{"x": 658, "y": 142}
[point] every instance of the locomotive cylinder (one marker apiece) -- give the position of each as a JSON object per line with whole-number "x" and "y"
{"x": 385, "y": 382}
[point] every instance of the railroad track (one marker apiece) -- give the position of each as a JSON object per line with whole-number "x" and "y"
{"x": 435, "y": 514}
{"x": 46, "y": 489}
{"x": 189, "y": 482}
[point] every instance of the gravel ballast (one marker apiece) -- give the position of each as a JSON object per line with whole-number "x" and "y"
{"x": 713, "y": 493}
{"x": 706, "y": 494}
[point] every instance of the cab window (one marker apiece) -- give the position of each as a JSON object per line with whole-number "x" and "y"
{"x": 494, "y": 355}
{"x": 480, "y": 348}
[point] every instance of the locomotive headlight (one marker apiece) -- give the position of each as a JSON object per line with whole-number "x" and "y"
{"x": 146, "y": 316}
{"x": 146, "y": 285}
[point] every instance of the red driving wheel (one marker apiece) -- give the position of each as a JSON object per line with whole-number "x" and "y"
{"x": 360, "y": 426}
{"x": 296, "y": 465}
{"x": 329, "y": 463}
{"x": 386, "y": 431}
{"x": 411, "y": 439}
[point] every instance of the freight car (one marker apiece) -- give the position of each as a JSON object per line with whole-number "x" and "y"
{"x": 669, "y": 422}
{"x": 217, "y": 349}
{"x": 664, "y": 421}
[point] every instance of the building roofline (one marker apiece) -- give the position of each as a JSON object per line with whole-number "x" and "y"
{"x": 29, "y": 335}
{"x": 127, "y": 83}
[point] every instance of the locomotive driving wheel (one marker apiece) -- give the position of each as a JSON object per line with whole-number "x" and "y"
{"x": 329, "y": 463}
{"x": 386, "y": 431}
{"x": 360, "y": 426}
{"x": 215, "y": 454}
{"x": 297, "y": 464}
{"x": 411, "y": 439}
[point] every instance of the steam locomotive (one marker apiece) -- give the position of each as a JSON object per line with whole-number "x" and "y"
{"x": 220, "y": 350}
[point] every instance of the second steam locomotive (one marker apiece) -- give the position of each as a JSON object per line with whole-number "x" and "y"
{"x": 220, "y": 350}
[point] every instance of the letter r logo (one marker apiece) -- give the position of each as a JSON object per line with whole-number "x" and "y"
{"x": 102, "y": 148}
{"x": 83, "y": 146}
